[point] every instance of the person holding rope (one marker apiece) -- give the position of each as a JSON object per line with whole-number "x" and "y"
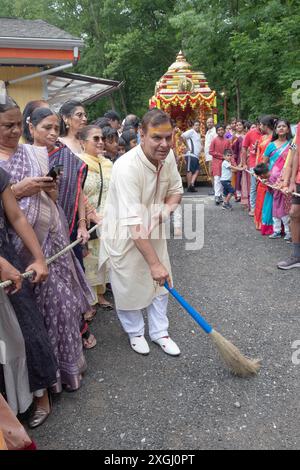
{"x": 29, "y": 365}
{"x": 65, "y": 296}
{"x": 145, "y": 188}
{"x": 275, "y": 156}
{"x": 43, "y": 126}
{"x": 291, "y": 184}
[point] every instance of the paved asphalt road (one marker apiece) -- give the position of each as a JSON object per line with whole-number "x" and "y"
{"x": 128, "y": 401}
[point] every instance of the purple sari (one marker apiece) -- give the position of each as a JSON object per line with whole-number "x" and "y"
{"x": 65, "y": 296}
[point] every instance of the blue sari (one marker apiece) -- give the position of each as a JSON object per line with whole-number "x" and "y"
{"x": 273, "y": 153}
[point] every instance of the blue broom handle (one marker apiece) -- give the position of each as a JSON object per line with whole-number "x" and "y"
{"x": 201, "y": 322}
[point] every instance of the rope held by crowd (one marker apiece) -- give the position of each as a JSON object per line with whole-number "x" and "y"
{"x": 269, "y": 185}
{"x": 52, "y": 259}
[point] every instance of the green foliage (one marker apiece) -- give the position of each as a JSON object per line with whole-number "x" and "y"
{"x": 248, "y": 48}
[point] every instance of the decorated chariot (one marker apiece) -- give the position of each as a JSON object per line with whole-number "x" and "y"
{"x": 186, "y": 96}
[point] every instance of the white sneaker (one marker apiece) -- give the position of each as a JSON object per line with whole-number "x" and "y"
{"x": 139, "y": 345}
{"x": 168, "y": 345}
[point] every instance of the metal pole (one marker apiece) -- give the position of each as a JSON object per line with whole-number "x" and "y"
{"x": 40, "y": 74}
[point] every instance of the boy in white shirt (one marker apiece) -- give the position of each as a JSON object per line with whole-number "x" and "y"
{"x": 227, "y": 169}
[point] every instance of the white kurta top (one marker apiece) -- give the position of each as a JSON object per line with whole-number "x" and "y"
{"x": 210, "y": 135}
{"x": 136, "y": 185}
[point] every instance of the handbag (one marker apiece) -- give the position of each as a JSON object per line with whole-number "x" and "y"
{"x": 94, "y": 235}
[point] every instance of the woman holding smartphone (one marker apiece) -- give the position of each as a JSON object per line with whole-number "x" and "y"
{"x": 65, "y": 296}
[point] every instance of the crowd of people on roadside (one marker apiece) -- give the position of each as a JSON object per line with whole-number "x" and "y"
{"x": 55, "y": 170}
{"x": 257, "y": 164}
{"x": 56, "y": 174}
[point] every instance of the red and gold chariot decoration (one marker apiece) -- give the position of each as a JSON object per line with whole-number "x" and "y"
{"x": 186, "y": 96}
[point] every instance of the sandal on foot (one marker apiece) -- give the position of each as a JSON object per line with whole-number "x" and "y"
{"x": 89, "y": 315}
{"x": 89, "y": 342}
{"x": 106, "y": 306}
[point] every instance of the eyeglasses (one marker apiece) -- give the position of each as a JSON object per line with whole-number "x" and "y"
{"x": 81, "y": 115}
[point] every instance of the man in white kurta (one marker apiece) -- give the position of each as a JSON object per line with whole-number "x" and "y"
{"x": 145, "y": 187}
{"x": 209, "y": 136}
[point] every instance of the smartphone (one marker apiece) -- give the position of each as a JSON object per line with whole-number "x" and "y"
{"x": 55, "y": 171}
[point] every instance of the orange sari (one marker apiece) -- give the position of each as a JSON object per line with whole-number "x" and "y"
{"x": 261, "y": 188}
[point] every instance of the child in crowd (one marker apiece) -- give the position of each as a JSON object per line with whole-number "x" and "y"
{"x": 261, "y": 170}
{"x": 111, "y": 143}
{"x": 216, "y": 150}
{"x": 122, "y": 147}
{"x": 130, "y": 138}
{"x": 227, "y": 169}
{"x": 280, "y": 209}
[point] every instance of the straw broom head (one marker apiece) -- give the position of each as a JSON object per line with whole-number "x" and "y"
{"x": 237, "y": 363}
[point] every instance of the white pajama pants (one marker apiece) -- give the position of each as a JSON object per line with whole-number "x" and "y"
{"x": 277, "y": 224}
{"x": 133, "y": 321}
{"x": 218, "y": 186}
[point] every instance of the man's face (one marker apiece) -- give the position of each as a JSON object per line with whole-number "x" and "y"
{"x": 210, "y": 123}
{"x": 156, "y": 142}
{"x": 115, "y": 124}
{"x": 221, "y": 132}
{"x": 197, "y": 127}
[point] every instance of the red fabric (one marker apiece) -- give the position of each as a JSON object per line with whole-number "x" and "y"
{"x": 216, "y": 150}
{"x": 267, "y": 229}
{"x": 260, "y": 197}
{"x": 32, "y": 446}
{"x": 265, "y": 140}
{"x": 250, "y": 143}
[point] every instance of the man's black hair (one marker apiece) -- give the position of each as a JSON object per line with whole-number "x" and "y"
{"x": 261, "y": 169}
{"x": 112, "y": 115}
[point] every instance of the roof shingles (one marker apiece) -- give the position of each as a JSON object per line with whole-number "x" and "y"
{"x": 19, "y": 28}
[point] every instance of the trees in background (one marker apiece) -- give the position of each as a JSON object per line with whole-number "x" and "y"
{"x": 247, "y": 48}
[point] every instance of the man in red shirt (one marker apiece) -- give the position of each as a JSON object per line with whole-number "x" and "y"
{"x": 216, "y": 150}
{"x": 250, "y": 145}
{"x": 292, "y": 184}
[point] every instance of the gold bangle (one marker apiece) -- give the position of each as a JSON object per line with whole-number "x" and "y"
{"x": 13, "y": 190}
{"x": 83, "y": 218}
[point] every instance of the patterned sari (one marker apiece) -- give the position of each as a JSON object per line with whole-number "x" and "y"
{"x": 92, "y": 190}
{"x": 274, "y": 154}
{"x": 65, "y": 296}
{"x": 71, "y": 182}
{"x": 261, "y": 188}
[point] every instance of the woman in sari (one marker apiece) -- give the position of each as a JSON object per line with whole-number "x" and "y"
{"x": 275, "y": 153}
{"x": 267, "y": 124}
{"x": 65, "y": 296}
{"x": 44, "y": 126}
{"x": 29, "y": 365}
{"x": 237, "y": 144}
{"x": 96, "y": 188}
